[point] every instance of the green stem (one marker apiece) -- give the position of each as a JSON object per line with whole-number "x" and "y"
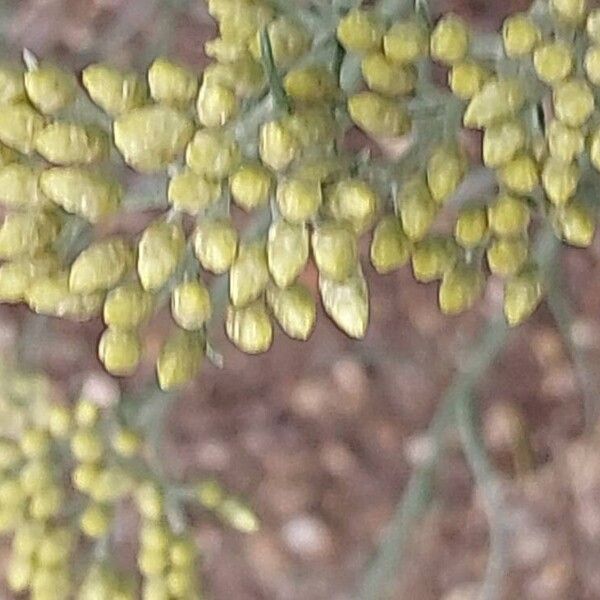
{"x": 280, "y": 98}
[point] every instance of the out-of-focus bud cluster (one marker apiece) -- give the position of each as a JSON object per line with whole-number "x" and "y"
{"x": 262, "y": 130}
{"x": 70, "y": 475}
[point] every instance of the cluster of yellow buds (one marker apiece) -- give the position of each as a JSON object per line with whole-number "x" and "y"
{"x": 66, "y": 473}
{"x": 264, "y": 130}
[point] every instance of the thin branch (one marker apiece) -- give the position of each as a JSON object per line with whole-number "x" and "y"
{"x": 282, "y": 102}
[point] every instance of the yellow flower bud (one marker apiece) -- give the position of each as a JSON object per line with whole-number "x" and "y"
{"x": 461, "y": 287}
{"x": 312, "y": 84}
{"x": 191, "y": 193}
{"x": 7, "y": 155}
{"x": 593, "y": 25}
{"x": 520, "y": 174}
{"x": 347, "y": 303}
{"x": 573, "y": 102}
{"x": 565, "y": 142}
{"x": 322, "y": 169}
{"x": 335, "y": 250}
{"x": 152, "y": 137}
{"x": 216, "y": 104}
{"x": 112, "y": 90}
{"x": 506, "y": 256}
{"x": 225, "y": 50}
{"x": 244, "y": 19}
{"x": 576, "y": 224}
{"x": 572, "y": 12}
{"x": 498, "y": 100}
{"x": 432, "y": 257}
{"x": 19, "y": 574}
{"x": 95, "y": 521}
{"x": 406, "y": 42}
{"x": 390, "y": 248}
{"x": 191, "y": 305}
{"x": 445, "y": 170}
{"x": 171, "y": 83}
{"x": 354, "y": 201}
{"x": 65, "y": 143}
{"x": 591, "y": 63}
{"x": 359, "y": 31}
{"x": 509, "y": 216}
{"x": 249, "y": 273}
{"x": 17, "y": 276}
{"x": 212, "y": 153}
{"x": 298, "y": 199}
{"x": 238, "y": 515}
{"x": 502, "y": 142}
{"x": 287, "y": 251}
{"x": 250, "y": 186}
{"x": 294, "y": 309}
{"x": 215, "y": 244}
{"x": 520, "y": 35}
{"x": 289, "y": 41}
{"x": 126, "y": 442}
{"x": 522, "y": 295}
{"x": 150, "y": 502}
{"x": 19, "y": 125}
{"x": 82, "y": 192}
{"x": 379, "y": 116}
{"x": 60, "y": 422}
{"x": 471, "y": 227}
{"x": 160, "y": 251}
{"x": 12, "y": 87}
{"x": 120, "y": 352}
{"x": 450, "y": 40}
{"x": 27, "y": 233}
{"x": 560, "y": 180}
{"x": 466, "y": 79}
{"x": 19, "y": 186}
{"x": 311, "y": 126}
{"x": 277, "y": 146}
{"x": 553, "y": 61}
{"x": 86, "y": 445}
{"x": 417, "y": 208}
{"x": 249, "y": 328}
{"x": 180, "y": 359}
{"x": 50, "y": 89}
{"x": 244, "y": 76}
{"x": 384, "y": 77}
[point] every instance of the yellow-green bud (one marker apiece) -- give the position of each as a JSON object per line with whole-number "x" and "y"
{"x": 190, "y": 305}
{"x": 12, "y": 87}
{"x": 126, "y": 442}
{"x": 287, "y": 251}
{"x": 50, "y": 89}
{"x": 244, "y": 76}
{"x": 498, "y": 100}
{"x": 593, "y": 25}
{"x": 86, "y": 445}
{"x": 289, "y": 41}
{"x": 502, "y": 142}
{"x": 16, "y": 276}
{"x": 112, "y": 90}
{"x": 310, "y": 84}
{"x": 19, "y": 574}
{"x": 249, "y": 328}
{"x": 347, "y": 303}
{"x": 294, "y": 309}
{"x": 180, "y": 359}
{"x": 390, "y": 248}
{"x": 406, "y": 42}
{"x": 354, "y": 201}
{"x": 509, "y": 216}
{"x": 384, "y": 77}
{"x": 520, "y": 35}
{"x": 152, "y": 137}
{"x": 466, "y": 78}
{"x": 572, "y": 12}
{"x": 238, "y": 514}
{"x": 95, "y": 520}
{"x": 243, "y": 19}
{"x": 520, "y": 175}
{"x": 160, "y": 251}
{"x": 27, "y": 233}
{"x": 565, "y": 143}
{"x": 461, "y": 287}
{"x": 471, "y": 227}
{"x": 445, "y": 170}
{"x": 560, "y": 180}
{"x": 85, "y": 475}
{"x": 35, "y": 443}
{"x": 573, "y": 102}
{"x": 576, "y": 224}
{"x": 19, "y": 125}
{"x": 171, "y": 83}
{"x": 311, "y": 126}
{"x": 250, "y": 186}
{"x": 277, "y": 146}
{"x": 249, "y": 273}
{"x": 212, "y": 153}
{"x": 506, "y": 256}
{"x": 522, "y": 295}
{"x": 20, "y": 186}
{"x": 553, "y": 61}
{"x": 359, "y": 31}
{"x": 432, "y": 257}
{"x": 417, "y": 208}
{"x": 7, "y": 155}
{"x": 449, "y": 40}
{"x": 215, "y": 244}
{"x": 101, "y": 266}
{"x": 298, "y": 199}
{"x": 335, "y": 250}
{"x": 379, "y": 116}
{"x": 191, "y": 193}
{"x": 60, "y": 422}
{"x": 120, "y": 351}
{"x": 127, "y": 306}
{"x": 591, "y": 63}
{"x": 112, "y": 484}
{"x": 216, "y": 104}
{"x": 64, "y": 143}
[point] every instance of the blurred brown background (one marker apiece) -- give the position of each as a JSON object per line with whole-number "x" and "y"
{"x": 321, "y": 437}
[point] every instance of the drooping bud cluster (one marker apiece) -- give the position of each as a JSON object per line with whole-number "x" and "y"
{"x": 66, "y": 474}
{"x": 263, "y": 131}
